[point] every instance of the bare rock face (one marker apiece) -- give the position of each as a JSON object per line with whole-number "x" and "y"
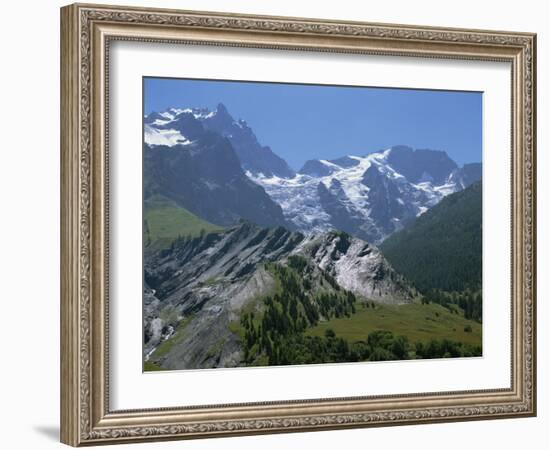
{"x": 358, "y": 267}
{"x": 201, "y": 287}
{"x": 152, "y": 324}
{"x": 197, "y": 290}
{"x": 206, "y": 340}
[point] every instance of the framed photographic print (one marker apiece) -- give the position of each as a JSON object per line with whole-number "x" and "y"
{"x": 275, "y": 224}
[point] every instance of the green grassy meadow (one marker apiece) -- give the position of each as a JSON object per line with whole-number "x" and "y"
{"x": 418, "y": 322}
{"x": 165, "y": 221}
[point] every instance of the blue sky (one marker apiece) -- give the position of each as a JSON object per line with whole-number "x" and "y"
{"x": 301, "y": 122}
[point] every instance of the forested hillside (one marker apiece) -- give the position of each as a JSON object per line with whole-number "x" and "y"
{"x": 442, "y": 249}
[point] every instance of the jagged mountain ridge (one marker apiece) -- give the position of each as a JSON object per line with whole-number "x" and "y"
{"x": 369, "y": 196}
{"x": 200, "y": 171}
{"x": 254, "y": 157}
{"x": 196, "y": 289}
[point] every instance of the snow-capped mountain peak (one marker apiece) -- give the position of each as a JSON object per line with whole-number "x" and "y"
{"x": 369, "y": 196}
{"x": 165, "y": 128}
{"x": 365, "y": 195}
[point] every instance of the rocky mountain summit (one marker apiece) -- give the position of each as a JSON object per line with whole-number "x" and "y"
{"x": 253, "y": 156}
{"x": 199, "y": 170}
{"x": 369, "y": 196}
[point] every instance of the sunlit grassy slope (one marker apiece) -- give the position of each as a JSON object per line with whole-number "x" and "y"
{"x": 164, "y": 221}
{"x": 419, "y": 323}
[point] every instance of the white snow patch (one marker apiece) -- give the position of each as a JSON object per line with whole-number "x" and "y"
{"x": 329, "y": 164}
{"x": 178, "y": 111}
{"x": 169, "y": 138}
{"x": 202, "y": 115}
{"x": 172, "y": 113}
{"x": 167, "y": 115}
{"x": 161, "y": 122}
{"x": 446, "y": 189}
{"x": 421, "y": 210}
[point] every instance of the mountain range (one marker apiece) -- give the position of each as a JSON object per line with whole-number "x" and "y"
{"x": 246, "y": 261}
{"x": 215, "y": 167}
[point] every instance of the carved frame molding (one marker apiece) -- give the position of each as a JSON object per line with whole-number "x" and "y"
{"x": 86, "y": 31}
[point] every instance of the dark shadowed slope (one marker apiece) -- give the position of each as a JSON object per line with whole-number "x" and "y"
{"x": 199, "y": 170}
{"x": 443, "y": 248}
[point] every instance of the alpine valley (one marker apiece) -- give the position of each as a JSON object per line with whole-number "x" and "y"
{"x": 249, "y": 262}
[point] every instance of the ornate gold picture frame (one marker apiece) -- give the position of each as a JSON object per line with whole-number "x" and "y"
{"x": 87, "y": 32}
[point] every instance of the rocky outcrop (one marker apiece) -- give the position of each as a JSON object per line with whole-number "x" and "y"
{"x": 358, "y": 267}
{"x": 254, "y": 157}
{"x": 421, "y": 164}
